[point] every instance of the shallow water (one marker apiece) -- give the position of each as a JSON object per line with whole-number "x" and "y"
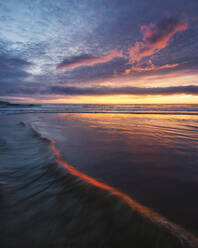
{"x": 187, "y": 109}
{"x": 152, "y": 158}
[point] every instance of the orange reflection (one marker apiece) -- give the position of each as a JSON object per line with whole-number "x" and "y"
{"x": 136, "y": 206}
{"x": 155, "y": 218}
{"x": 148, "y": 136}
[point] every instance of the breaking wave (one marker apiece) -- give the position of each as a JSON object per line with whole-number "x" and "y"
{"x": 98, "y": 108}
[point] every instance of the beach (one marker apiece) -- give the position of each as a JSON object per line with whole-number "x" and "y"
{"x": 98, "y": 124}
{"x": 152, "y": 159}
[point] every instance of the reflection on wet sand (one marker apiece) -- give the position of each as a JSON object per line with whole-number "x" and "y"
{"x": 153, "y": 158}
{"x": 46, "y": 205}
{"x": 175, "y": 234}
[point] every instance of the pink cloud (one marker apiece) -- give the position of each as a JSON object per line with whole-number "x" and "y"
{"x": 88, "y": 60}
{"x": 150, "y": 67}
{"x": 155, "y": 38}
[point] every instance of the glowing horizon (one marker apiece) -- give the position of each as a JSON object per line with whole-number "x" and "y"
{"x": 120, "y": 99}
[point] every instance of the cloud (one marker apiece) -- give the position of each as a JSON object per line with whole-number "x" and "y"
{"x": 95, "y": 91}
{"x": 149, "y": 67}
{"x": 8, "y": 63}
{"x": 36, "y": 90}
{"x": 12, "y": 69}
{"x": 13, "y": 73}
{"x": 88, "y": 60}
{"x": 32, "y": 59}
{"x": 155, "y": 38}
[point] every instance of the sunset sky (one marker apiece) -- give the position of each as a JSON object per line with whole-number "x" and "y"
{"x": 99, "y": 51}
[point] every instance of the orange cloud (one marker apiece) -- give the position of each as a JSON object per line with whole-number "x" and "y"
{"x": 150, "y": 67}
{"x": 88, "y": 60}
{"x": 155, "y": 38}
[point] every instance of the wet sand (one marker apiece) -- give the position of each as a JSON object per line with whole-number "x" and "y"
{"x": 48, "y": 203}
{"x": 152, "y": 158}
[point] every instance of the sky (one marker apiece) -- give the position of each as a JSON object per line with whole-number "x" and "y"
{"x": 99, "y": 51}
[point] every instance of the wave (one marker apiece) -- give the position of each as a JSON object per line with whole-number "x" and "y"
{"x": 45, "y": 202}
{"x": 91, "y": 108}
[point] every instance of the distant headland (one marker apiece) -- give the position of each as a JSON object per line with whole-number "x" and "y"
{"x": 8, "y": 104}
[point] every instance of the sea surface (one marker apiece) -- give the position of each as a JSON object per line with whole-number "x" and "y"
{"x": 99, "y": 108}
{"x": 149, "y": 152}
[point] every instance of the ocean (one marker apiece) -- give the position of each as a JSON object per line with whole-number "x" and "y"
{"x": 99, "y": 108}
{"x": 79, "y": 175}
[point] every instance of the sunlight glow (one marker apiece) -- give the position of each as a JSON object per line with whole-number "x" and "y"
{"x": 119, "y": 99}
